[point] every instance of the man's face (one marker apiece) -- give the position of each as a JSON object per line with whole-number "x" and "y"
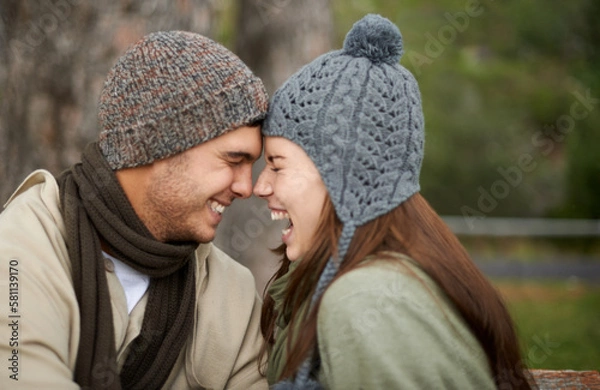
{"x": 188, "y": 192}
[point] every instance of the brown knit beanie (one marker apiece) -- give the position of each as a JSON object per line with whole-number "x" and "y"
{"x": 172, "y": 91}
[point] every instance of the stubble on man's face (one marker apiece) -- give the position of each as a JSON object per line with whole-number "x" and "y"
{"x": 170, "y": 200}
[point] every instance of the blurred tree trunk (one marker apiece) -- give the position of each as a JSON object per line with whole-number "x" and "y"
{"x": 54, "y": 55}
{"x": 275, "y": 38}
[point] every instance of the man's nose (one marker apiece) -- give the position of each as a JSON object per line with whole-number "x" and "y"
{"x": 242, "y": 185}
{"x": 263, "y": 188}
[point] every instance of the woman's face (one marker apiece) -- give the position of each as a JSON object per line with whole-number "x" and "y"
{"x": 293, "y": 187}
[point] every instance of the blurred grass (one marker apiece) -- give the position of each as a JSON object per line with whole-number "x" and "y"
{"x": 558, "y": 322}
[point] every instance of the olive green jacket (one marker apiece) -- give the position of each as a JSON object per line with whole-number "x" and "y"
{"x": 387, "y": 325}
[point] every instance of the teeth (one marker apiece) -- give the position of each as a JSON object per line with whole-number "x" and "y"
{"x": 217, "y": 207}
{"x": 277, "y": 215}
{"x": 286, "y": 231}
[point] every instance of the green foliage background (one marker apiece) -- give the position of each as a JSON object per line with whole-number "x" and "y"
{"x": 498, "y": 81}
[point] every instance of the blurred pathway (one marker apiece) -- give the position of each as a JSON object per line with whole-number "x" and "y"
{"x": 588, "y": 271}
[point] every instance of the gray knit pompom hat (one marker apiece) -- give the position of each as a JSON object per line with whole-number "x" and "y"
{"x": 357, "y": 113}
{"x": 170, "y": 92}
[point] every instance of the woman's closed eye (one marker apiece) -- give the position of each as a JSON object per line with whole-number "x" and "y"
{"x": 273, "y": 162}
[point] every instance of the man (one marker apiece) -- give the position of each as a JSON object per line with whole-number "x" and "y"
{"x": 108, "y": 277}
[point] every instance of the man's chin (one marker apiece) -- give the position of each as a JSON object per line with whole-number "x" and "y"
{"x": 205, "y": 238}
{"x": 197, "y": 238}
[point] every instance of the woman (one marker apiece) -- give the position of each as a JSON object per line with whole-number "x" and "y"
{"x": 375, "y": 292}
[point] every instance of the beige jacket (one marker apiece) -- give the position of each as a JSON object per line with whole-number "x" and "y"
{"x": 39, "y": 314}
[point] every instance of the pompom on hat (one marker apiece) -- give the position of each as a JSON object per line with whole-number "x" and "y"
{"x": 171, "y": 91}
{"x": 357, "y": 113}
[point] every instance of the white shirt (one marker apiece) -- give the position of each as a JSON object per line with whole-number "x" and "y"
{"x": 134, "y": 282}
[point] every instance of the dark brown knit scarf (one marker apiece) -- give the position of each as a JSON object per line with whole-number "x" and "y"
{"x": 93, "y": 206}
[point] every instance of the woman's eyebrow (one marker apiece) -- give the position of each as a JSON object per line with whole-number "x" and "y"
{"x": 271, "y": 158}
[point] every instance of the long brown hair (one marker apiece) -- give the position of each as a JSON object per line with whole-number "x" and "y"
{"x": 414, "y": 229}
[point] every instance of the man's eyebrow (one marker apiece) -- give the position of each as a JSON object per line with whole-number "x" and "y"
{"x": 234, "y": 155}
